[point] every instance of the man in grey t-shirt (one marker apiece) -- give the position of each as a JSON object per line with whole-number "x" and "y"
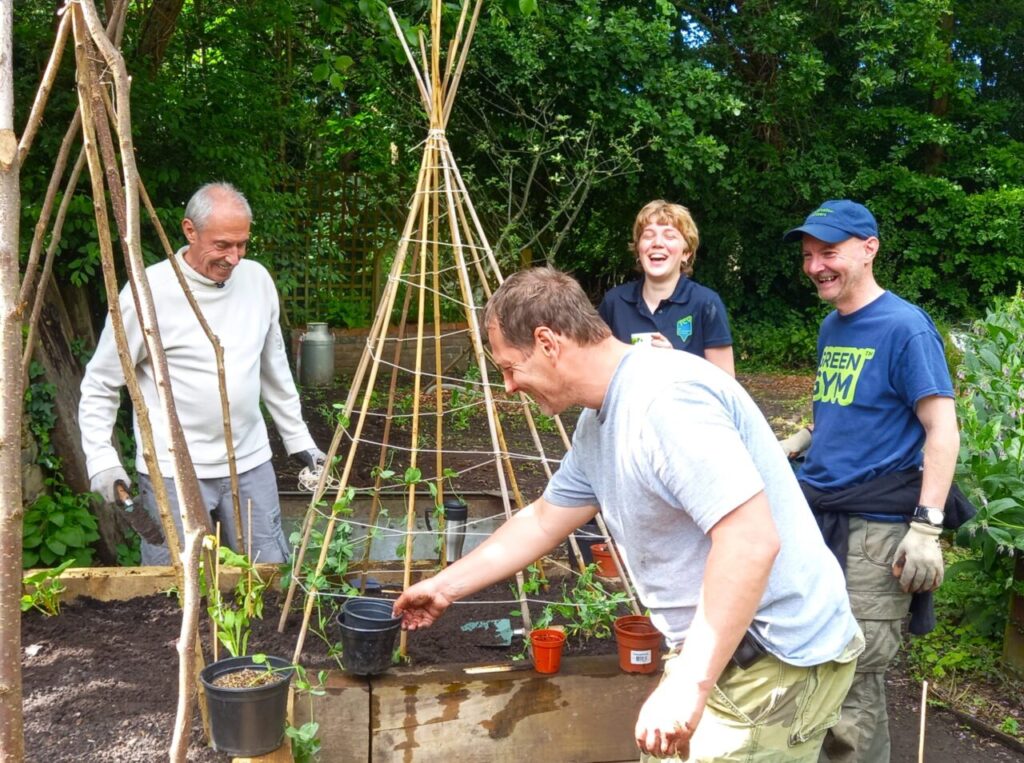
{"x": 706, "y": 513}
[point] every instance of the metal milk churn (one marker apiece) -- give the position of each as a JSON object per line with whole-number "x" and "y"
{"x": 316, "y": 356}
{"x": 456, "y": 512}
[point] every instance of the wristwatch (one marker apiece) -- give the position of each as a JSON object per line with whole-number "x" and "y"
{"x": 928, "y": 515}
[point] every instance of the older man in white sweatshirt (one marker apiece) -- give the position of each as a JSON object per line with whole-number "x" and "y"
{"x": 239, "y": 301}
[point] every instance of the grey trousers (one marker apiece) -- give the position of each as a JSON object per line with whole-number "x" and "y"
{"x": 862, "y": 734}
{"x": 258, "y": 485}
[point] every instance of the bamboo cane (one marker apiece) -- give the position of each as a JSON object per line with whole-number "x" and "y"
{"x": 410, "y": 517}
{"x": 387, "y": 305}
{"x": 924, "y": 711}
{"x": 475, "y": 337}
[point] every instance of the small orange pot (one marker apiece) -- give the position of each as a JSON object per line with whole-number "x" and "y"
{"x": 639, "y": 644}
{"x": 547, "y": 646}
{"x": 603, "y": 559}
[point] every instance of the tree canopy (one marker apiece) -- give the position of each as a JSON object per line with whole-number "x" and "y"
{"x": 574, "y": 113}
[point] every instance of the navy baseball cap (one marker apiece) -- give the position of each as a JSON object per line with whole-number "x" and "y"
{"x": 835, "y": 221}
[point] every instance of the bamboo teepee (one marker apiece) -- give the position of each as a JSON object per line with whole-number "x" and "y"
{"x": 443, "y": 255}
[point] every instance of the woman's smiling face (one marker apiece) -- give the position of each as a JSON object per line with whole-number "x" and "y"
{"x": 661, "y": 250}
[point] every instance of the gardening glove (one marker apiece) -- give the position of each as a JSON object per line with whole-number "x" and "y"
{"x": 918, "y": 562}
{"x": 313, "y": 459}
{"x": 103, "y": 483}
{"x": 796, "y": 444}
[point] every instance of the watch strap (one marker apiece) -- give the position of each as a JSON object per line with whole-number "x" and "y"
{"x": 928, "y": 515}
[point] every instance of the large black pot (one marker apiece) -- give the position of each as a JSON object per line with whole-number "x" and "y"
{"x": 366, "y": 651}
{"x": 368, "y": 612}
{"x": 247, "y": 721}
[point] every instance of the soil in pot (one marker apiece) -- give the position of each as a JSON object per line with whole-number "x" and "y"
{"x": 247, "y": 702}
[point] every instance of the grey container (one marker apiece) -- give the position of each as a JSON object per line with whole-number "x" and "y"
{"x": 316, "y": 356}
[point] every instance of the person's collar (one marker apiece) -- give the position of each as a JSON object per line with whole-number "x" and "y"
{"x": 193, "y": 275}
{"x": 679, "y": 293}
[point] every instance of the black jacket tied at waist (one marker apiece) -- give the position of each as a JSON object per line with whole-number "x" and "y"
{"x": 896, "y": 494}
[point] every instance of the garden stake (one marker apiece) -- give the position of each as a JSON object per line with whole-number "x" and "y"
{"x": 924, "y": 710}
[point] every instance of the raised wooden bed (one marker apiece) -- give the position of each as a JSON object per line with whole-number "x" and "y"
{"x": 583, "y": 714}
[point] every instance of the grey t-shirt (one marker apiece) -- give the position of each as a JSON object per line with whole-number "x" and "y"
{"x": 675, "y": 447}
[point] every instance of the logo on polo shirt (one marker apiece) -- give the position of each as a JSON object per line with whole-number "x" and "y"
{"x": 684, "y": 328}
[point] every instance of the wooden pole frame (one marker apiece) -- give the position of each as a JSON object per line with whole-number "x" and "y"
{"x": 458, "y": 246}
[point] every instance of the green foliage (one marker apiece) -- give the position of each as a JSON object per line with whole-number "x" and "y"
{"x": 784, "y": 341}
{"x": 41, "y": 416}
{"x": 589, "y": 609}
{"x": 1010, "y": 726}
{"x": 305, "y": 741}
{"x": 232, "y": 618}
{"x": 58, "y": 528}
{"x": 46, "y": 590}
{"x": 129, "y": 552}
{"x": 971, "y": 610}
{"x": 991, "y": 414}
{"x": 341, "y": 549}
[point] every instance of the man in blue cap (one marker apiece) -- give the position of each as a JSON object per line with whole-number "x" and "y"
{"x": 880, "y": 464}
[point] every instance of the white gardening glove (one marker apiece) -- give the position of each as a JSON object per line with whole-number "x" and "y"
{"x": 313, "y": 459}
{"x": 103, "y": 483}
{"x": 797, "y": 443}
{"x": 918, "y": 563}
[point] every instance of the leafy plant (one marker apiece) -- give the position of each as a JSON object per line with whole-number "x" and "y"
{"x": 232, "y": 619}
{"x": 589, "y": 609}
{"x": 971, "y": 612}
{"x": 991, "y": 414}
{"x": 58, "y": 528}
{"x": 1010, "y": 725}
{"x": 46, "y": 588}
{"x": 305, "y": 742}
{"x": 129, "y": 553}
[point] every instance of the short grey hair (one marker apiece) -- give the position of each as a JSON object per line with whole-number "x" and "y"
{"x": 200, "y": 206}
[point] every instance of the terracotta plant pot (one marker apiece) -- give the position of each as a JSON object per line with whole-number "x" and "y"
{"x": 547, "y": 646}
{"x": 639, "y": 644}
{"x": 603, "y": 559}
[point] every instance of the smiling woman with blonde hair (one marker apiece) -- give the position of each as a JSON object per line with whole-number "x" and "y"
{"x": 665, "y": 307}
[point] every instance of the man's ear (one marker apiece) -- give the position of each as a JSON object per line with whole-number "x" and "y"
{"x": 189, "y": 230}
{"x": 545, "y": 341}
{"x": 871, "y": 248}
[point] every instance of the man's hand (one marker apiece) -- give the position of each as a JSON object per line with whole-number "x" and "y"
{"x": 668, "y": 719}
{"x": 103, "y": 483}
{"x": 313, "y": 459}
{"x": 918, "y": 563}
{"x": 796, "y": 444}
{"x": 420, "y": 605}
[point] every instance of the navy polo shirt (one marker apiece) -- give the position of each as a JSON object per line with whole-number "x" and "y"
{"x": 692, "y": 319}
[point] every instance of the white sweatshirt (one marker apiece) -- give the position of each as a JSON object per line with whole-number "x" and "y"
{"x": 243, "y": 314}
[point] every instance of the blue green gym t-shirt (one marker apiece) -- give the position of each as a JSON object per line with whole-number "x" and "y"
{"x": 874, "y": 365}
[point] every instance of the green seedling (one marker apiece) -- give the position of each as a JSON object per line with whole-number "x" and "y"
{"x": 46, "y": 588}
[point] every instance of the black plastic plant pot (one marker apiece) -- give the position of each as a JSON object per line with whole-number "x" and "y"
{"x": 250, "y": 720}
{"x": 367, "y": 651}
{"x": 455, "y": 509}
{"x": 366, "y": 612}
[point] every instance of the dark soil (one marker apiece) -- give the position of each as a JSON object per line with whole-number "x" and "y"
{"x": 100, "y": 680}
